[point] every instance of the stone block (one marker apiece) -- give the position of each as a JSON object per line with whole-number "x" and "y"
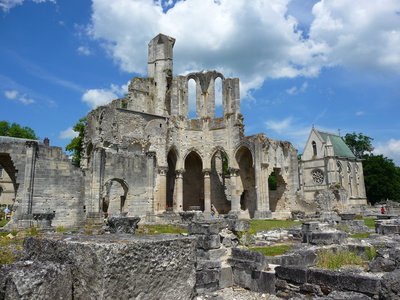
{"x": 248, "y": 260}
{"x": 36, "y": 280}
{"x": 121, "y": 266}
{"x": 206, "y": 227}
{"x": 257, "y": 281}
{"x": 225, "y": 277}
{"x": 123, "y": 224}
{"x": 390, "y": 288}
{"x": 292, "y": 274}
{"x": 212, "y": 254}
{"x": 206, "y": 242}
{"x": 345, "y": 281}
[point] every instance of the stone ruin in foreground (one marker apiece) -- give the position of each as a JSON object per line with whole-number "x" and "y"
{"x": 144, "y": 157}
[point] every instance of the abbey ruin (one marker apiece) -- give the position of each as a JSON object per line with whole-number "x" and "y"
{"x": 143, "y": 156}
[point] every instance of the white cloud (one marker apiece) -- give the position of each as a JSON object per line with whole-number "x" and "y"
{"x": 83, "y": 50}
{"x": 6, "y": 5}
{"x": 97, "y": 97}
{"x": 280, "y": 126}
{"x": 17, "y": 96}
{"x": 294, "y": 90}
{"x": 254, "y": 40}
{"x": 11, "y": 95}
{"x": 390, "y": 149}
{"x": 68, "y": 133}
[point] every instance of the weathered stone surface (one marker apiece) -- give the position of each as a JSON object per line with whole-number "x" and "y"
{"x": 345, "y": 281}
{"x": 301, "y": 258}
{"x": 36, "y": 280}
{"x": 247, "y": 260}
{"x": 257, "y": 281}
{"x": 338, "y": 295}
{"x": 390, "y": 286}
{"x": 225, "y": 277}
{"x": 381, "y": 264}
{"x": 212, "y": 254}
{"x": 206, "y": 242}
{"x": 292, "y": 274}
{"x": 121, "y": 224}
{"x": 206, "y": 227}
{"x": 122, "y": 266}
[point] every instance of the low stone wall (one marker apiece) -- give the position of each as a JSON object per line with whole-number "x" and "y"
{"x": 108, "y": 267}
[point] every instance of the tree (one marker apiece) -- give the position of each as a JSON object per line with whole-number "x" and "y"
{"x": 75, "y": 146}
{"x": 382, "y": 178}
{"x": 16, "y": 130}
{"x": 359, "y": 144}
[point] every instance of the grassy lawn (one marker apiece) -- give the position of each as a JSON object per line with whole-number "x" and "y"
{"x": 370, "y": 222}
{"x": 159, "y": 229}
{"x": 335, "y": 260}
{"x": 272, "y": 250}
{"x": 263, "y": 225}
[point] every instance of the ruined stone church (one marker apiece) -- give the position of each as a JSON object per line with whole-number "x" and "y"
{"x": 143, "y": 156}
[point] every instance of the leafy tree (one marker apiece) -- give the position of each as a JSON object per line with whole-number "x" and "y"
{"x": 16, "y": 130}
{"x": 382, "y": 178}
{"x": 358, "y": 143}
{"x": 75, "y": 146}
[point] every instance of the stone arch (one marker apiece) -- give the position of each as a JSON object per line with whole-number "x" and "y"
{"x": 172, "y": 159}
{"x": 314, "y": 147}
{"x": 245, "y": 161}
{"x": 8, "y": 166}
{"x": 277, "y": 187}
{"x": 192, "y": 97}
{"x": 219, "y": 174}
{"x": 115, "y": 192}
{"x": 193, "y": 182}
{"x": 246, "y": 144}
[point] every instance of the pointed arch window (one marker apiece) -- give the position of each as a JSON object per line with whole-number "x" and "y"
{"x": 314, "y": 148}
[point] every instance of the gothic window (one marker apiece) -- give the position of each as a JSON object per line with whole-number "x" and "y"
{"x": 1, "y": 171}
{"x": 318, "y": 176}
{"x": 314, "y": 148}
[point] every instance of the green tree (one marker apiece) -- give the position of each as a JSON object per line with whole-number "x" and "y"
{"x": 359, "y": 144}
{"x": 16, "y": 130}
{"x": 382, "y": 178}
{"x": 75, "y": 146}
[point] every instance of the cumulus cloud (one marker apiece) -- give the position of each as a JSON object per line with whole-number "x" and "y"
{"x": 17, "y": 96}
{"x": 359, "y": 113}
{"x": 253, "y": 40}
{"x": 390, "y": 149}
{"x": 68, "y": 133}
{"x": 97, "y": 97}
{"x": 6, "y": 5}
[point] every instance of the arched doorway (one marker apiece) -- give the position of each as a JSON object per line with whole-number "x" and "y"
{"x": 219, "y": 171}
{"x": 8, "y": 180}
{"x": 248, "y": 198}
{"x": 193, "y": 183}
{"x": 277, "y": 187}
{"x": 171, "y": 159}
{"x": 114, "y": 199}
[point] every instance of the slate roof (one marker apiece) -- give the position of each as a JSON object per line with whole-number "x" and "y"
{"x": 339, "y": 146}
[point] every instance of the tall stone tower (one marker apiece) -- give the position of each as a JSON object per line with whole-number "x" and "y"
{"x": 160, "y": 69}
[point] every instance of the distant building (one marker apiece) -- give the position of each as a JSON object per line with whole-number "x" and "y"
{"x": 328, "y": 166}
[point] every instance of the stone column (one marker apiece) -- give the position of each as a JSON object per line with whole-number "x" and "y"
{"x": 207, "y": 191}
{"x": 161, "y": 196}
{"x": 263, "y": 210}
{"x": 29, "y": 178}
{"x": 178, "y": 203}
{"x": 235, "y": 202}
{"x": 151, "y": 157}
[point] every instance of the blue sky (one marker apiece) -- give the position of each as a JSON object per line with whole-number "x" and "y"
{"x": 331, "y": 64}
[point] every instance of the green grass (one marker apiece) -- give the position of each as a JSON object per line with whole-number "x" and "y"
{"x": 10, "y": 249}
{"x": 328, "y": 259}
{"x": 370, "y": 253}
{"x": 272, "y": 250}
{"x": 369, "y": 222}
{"x": 3, "y": 223}
{"x": 361, "y": 235}
{"x": 263, "y": 225}
{"x": 159, "y": 229}
{"x": 61, "y": 229}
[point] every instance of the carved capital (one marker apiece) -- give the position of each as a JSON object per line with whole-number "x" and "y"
{"x": 162, "y": 171}
{"x": 150, "y": 154}
{"x": 207, "y": 172}
{"x": 234, "y": 171}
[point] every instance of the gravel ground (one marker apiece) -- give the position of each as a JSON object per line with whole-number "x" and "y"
{"x": 235, "y": 293}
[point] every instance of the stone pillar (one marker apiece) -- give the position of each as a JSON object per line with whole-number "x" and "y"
{"x": 207, "y": 191}
{"x": 161, "y": 196}
{"x": 151, "y": 156}
{"x": 29, "y": 178}
{"x": 263, "y": 210}
{"x": 178, "y": 203}
{"x": 96, "y": 205}
{"x": 235, "y": 202}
